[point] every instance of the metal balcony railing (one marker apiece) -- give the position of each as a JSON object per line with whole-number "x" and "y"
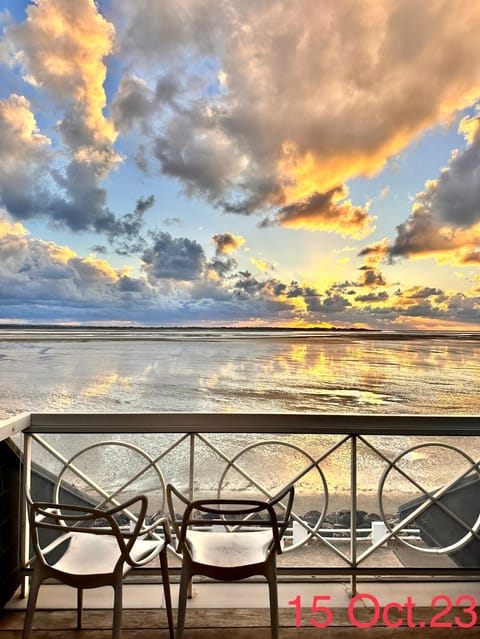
{"x": 376, "y": 496}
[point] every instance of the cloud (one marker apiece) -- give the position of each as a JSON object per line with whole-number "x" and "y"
{"x": 262, "y": 265}
{"x": 11, "y": 229}
{"x": 33, "y": 271}
{"x": 22, "y": 143}
{"x": 218, "y": 269}
{"x": 454, "y": 198}
{"x": 127, "y": 284}
{"x": 174, "y": 258}
{"x": 331, "y": 304}
{"x": 472, "y": 257}
{"x": 126, "y": 235}
{"x": 301, "y": 98}
{"x": 421, "y": 292}
{"x": 135, "y": 103}
{"x": 371, "y": 277}
{"x": 195, "y": 149}
{"x": 154, "y": 31}
{"x": 61, "y": 47}
{"x": 226, "y": 243}
{"x": 375, "y": 253}
{"x": 445, "y": 217}
{"x": 79, "y": 203}
{"x": 328, "y": 212}
{"x": 24, "y": 152}
{"x": 370, "y": 298}
{"x": 28, "y": 176}
{"x": 52, "y": 281}
{"x": 422, "y": 235}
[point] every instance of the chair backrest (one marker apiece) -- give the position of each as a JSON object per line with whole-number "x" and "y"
{"x": 64, "y": 520}
{"x": 232, "y": 514}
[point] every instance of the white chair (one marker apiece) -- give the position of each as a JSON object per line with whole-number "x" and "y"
{"x": 247, "y": 544}
{"x": 89, "y": 550}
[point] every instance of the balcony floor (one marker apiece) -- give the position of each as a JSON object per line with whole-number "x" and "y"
{"x": 240, "y": 608}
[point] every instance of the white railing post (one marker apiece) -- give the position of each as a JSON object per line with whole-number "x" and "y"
{"x": 353, "y": 512}
{"x": 191, "y": 489}
{"x": 24, "y": 497}
{"x": 191, "y": 469}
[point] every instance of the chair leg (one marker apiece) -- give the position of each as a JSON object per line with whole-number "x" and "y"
{"x": 79, "y": 607}
{"x": 117, "y": 610}
{"x": 273, "y": 595}
{"x": 35, "y": 583}
{"x": 166, "y": 590}
{"x": 182, "y": 602}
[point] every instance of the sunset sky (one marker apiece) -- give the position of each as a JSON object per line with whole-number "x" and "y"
{"x": 240, "y": 162}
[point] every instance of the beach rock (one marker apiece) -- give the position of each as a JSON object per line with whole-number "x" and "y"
{"x": 312, "y": 517}
{"x": 342, "y": 518}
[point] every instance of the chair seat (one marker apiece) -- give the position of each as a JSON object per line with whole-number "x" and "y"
{"x": 227, "y": 549}
{"x": 90, "y": 554}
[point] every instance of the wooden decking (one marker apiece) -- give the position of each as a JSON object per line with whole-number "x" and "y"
{"x": 237, "y": 611}
{"x": 216, "y": 624}
{"x": 221, "y": 623}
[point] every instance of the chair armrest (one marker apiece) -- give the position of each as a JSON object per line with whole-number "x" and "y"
{"x": 162, "y": 521}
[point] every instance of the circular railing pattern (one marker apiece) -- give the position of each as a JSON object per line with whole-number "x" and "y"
{"x": 431, "y": 499}
{"x": 109, "y": 494}
{"x": 395, "y": 528}
{"x": 311, "y": 465}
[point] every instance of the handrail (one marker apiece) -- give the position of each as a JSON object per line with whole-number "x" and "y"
{"x": 14, "y": 425}
{"x": 278, "y": 423}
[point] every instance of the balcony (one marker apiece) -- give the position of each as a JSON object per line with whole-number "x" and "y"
{"x": 383, "y": 515}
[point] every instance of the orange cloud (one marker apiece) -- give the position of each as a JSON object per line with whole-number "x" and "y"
{"x": 329, "y": 211}
{"x": 418, "y": 295}
{"x": 262, "y": 265}
{"x": 61, "y": 254}
{"x": 375, "y": 253}
{"x": 10, "y": 228}
{"x": 471, "y": 257}
{"x": 422, "y": 236}
{"x": 302, "y": 174}
{"x": 470, "y": 127}
{"x": 62, "y": 46}
{"x": 90, "y": 267}
{"x": 98, "y": 268}
{"x": 227, "y": 243}
{"x": 371, "y": 277}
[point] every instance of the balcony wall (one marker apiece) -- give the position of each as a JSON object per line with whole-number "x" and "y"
{"x": 9, "y": 517}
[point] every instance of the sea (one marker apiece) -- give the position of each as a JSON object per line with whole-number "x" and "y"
{"x": 244, "y": 371}
{"x": 50, "y": 369}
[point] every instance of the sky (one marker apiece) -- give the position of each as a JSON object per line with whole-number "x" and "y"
{"x": 240, "y": 163}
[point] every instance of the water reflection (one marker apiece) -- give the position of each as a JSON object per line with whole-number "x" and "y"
{"x": 304, "y": 373}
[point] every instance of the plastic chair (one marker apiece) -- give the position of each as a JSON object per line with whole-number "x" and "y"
{"x": 247, "y": 545}
{"x": 89, "y": 550}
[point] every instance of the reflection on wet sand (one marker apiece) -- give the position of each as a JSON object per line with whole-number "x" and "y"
{"x": 339, "y": 374}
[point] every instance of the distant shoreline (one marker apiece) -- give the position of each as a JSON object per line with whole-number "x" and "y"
{"x": 53, "y": 332}
{"x": 11, "y": 326}
{"x": 113, "y": 327}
